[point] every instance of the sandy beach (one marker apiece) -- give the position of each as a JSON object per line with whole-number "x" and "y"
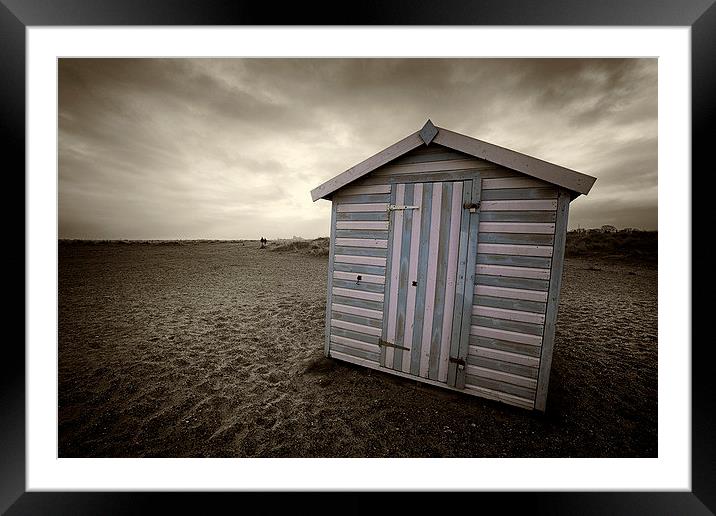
{"x": 215, "y": 349}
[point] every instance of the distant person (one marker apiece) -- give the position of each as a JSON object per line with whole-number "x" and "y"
{"x": 263, "y": 243}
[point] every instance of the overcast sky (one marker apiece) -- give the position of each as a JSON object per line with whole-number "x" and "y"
{"x": 230, "y": 148}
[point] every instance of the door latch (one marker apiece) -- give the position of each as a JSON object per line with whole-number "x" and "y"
{"x": 472, "y": 206}
{"x": 385, "y": 343}
{"x": 394, "y": 207}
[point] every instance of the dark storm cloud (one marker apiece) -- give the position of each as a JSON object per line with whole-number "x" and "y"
{"x": 230, "y": 148}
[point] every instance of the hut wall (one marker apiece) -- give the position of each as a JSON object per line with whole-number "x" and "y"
{"x": 520, "y": 249}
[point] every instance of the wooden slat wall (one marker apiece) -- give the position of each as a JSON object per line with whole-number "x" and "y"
{"x": 515, "y": 246}
{"x": 438, "y": 163}
{"x": 514, "y": 261}
{"x": 359, "y": 249}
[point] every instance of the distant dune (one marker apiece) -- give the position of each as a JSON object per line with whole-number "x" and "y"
{"x": 317, "y": 247}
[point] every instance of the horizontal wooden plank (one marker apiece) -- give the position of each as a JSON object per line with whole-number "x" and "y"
{"x": 354, "y": 360}
{"x": 367, "y": 215}
{"x": 354, "y": 310}
{"x": 357, "y": 344}
{"x": 360, "y": 303}
{"x": 519, "y": 194}
{"x": 361, "y": 199}
{"x": 353, "y": 276}
{"x": 514, "y": 182}
{"x": 500, "y": 376}
{"x": 507, "y": 282}
{"x": 356, "y": 319}
{"x": 499, "y": 396}
{"x": 352, "y": 285}
{"x": 516, "y": 238}
{"x": 432, "y": 166}
{"x": 359, "y": 268}
{"x": 362, "y": 233}
{"x": 360, "y": 353}
{"x": 530, "y": 205}
{"x": 378, "y": 206}
{"x": 492, "y": 364}
{"x": 452, "y": 175}
{"x": 358, "y": 294}
{"x": 361, "y": 251}
{"x": 360, "y": 328}
{"x": 512, "y": 272}
{"x": 515, "y": 249}
{"x": 517, "y": 227}
{"x": 518, "y": 216}
{"x": 510, "y": 336}
{"x": 360, "y": 190}
{"x": 363, "y": 337}
{"x": 362, "y": 242}
{"x": 511, "y": 293}
{"x": 503, "y": 345}
{"x": 511, "y": 304}
{"x": 508, "y": 325}
{"x": 538, "y": 262}
{"x": 476, "y": 382}
{"x": 510, "y": 315}
{"x": 504, "y": 356}
{"x": 422, "y": 157}
{"x": 362, "y": 224}
{"x": 364, "y": 260}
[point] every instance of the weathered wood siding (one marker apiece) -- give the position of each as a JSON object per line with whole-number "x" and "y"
{"x": 514, "y": 291}
{"x": 359, "y": 249}
{"x": 512, "y": 279}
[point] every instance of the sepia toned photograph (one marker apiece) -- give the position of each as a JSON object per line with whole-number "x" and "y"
{"x": 357, "y": 257}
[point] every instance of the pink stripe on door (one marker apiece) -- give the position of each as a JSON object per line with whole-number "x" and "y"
{"x": 430, "y": 279}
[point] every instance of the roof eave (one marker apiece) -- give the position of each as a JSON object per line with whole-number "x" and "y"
{"x": 396, "y": 150}
{"x": 535, "y": 167}
{"x": 567, "y": 178}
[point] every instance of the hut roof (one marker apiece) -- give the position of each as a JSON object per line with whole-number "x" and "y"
{"x": 572, "y": 180}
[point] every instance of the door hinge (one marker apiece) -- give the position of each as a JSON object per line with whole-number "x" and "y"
{"x": 472, "y": 206}
{"x": 394, "y": 207}
{"x": 387, "y": 344}
{"x": 459, "y": 361}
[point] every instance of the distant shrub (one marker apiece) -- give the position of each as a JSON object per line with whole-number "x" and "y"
{"x": 320, "y": 246}
{"x": 630, "y": 244}
{"x": 296, "y": 244}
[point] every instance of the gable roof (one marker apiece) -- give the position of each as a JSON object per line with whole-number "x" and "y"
{"x": 570, "y": 179}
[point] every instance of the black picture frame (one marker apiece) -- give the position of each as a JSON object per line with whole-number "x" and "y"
{"x": 17, "y": 15}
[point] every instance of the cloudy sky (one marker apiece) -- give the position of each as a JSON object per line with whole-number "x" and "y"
{"x": 230, "y": 148}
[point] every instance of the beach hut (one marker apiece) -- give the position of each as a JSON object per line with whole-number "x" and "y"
{"x": 445, "y": 264}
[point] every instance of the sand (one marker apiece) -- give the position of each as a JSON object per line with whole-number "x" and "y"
{"x": 216, "y": 350}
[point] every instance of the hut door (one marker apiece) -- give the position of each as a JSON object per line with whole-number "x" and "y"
{"x": 432, "y": 245}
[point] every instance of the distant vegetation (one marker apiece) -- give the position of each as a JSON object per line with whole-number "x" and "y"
{"x": 316, "y": 247}
{"x": 608, "y": 241}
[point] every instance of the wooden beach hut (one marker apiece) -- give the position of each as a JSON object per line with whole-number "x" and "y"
{"x": 445, "y": 264}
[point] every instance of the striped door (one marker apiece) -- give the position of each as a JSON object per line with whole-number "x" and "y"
{"x": 431, "y": 250}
